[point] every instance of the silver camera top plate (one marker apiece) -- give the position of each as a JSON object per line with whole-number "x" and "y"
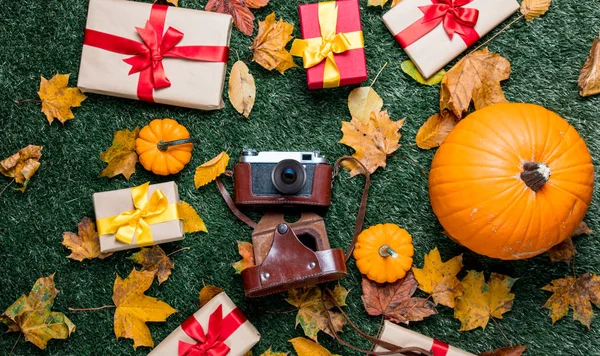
{"x": 253, "y": 156}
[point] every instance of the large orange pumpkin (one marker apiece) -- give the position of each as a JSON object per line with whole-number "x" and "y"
{"x": 511, "y": 181}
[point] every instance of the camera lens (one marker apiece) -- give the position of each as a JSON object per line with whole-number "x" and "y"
{"x": 288, "y": 176}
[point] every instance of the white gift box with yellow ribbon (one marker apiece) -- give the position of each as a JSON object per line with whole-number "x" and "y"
{"x": 140, "y": 216}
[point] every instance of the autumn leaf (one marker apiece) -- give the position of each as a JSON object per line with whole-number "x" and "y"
{"x": 22, "y": 165}
{"x": 475, "y": 78}
{"x": 435, "y": 130}
{"x": 439, "y": 278}
{"x": 192, "y": 222}
{"x": 154, "y": 259}
{"x": 565, "y": 251}
{"x": 84, "y": 244}
{"x": 395, "y": 2}
{"x": 272, "y": 353}
{"x": 582, "y": 229}
{"x": 269, "y": 44}
{"x": 506, "y": 351}
{"x": 247, "y": 253}
{"x": 121, "y": 156}
{"x": 532, "y": 9}
{"x": 362, "y": 102}
{"x": 409, "y": 68}
{"x": 394, "y": 300}
{"x": 589, "y": 78}
{"x": 373, "y": 141}
{"x": 209, "y": 171}
{"x": 207, "y": 293}
{"x": 376, "y": 2}
{"x": 306, "y": 347}
{"x": 578, "y": 293}
{"x": 57, "y": 99}
{"x": 33, "y": 316}
{"x": 242, "y": 90}
{"x": 243, "y": 18}
{"x": 134, "y": 308}
{"x": 481, "y": 301}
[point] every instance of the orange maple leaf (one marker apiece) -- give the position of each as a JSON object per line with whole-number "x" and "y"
{"x": 269, "y": 44}
{"x": 86, "y": 243}
{"x": 247, "y": 253}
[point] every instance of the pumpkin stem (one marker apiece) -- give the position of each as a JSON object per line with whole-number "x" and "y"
{"x": 535, "y": 175}
{"x": 386, "y": 251}
{"x": 164, "y": 145}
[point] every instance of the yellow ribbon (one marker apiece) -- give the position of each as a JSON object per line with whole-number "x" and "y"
{"x": 137, "y": 222}
{"x": 314, "y": 50}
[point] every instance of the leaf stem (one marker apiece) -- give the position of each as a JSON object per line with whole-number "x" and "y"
{"x": 282, "y": 312}
{"x": 26, "y": 100}
{"x": 97, "y": 308}
{"x": 8, "y": 185}
{"x": 15, "y": 344}
{"x": 377, "y": 76}
{"x": 502, "y": 331}
{"x": 498, "y": 33}
{"x": 181, "y": 249}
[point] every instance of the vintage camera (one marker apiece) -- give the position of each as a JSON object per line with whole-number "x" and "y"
{"x": 282, "y": 178}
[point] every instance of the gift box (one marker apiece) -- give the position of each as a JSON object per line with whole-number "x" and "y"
{"x": 155, "y": 53}
{"x": 140, "y": 216}
{"x": 434, "y": 32}
{"x": 402, "y": 337}
{"x": 218, "y": 328}
{"x": 332, "y": 47}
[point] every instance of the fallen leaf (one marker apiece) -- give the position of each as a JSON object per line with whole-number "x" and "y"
{"x": 481, "y": 301}
{"x": 269, "y": 44}
{"x": 565, "y": 251}
{"x": 579, "y": 293}
{"x": 256, "y": 4}
{"x": 22, "y": 165}
{"x": 243, "y": 18}
{"x": 362, "y": 102}
{"x": 209, "y": 171}
{"x": 435, "y": 130}
{"x": 306, "y": 347}
{"x": 207, "y": 293}
{"x": 246, "y": 251}
{"x": 589, "y": 78}
{"x": 376, "y": 2}
{"x": 395, "y": 2}
{"x": 373, "y": 141}
{"x": 242, "y": 90}
{"x": 394, "y": 300}
{"x": 439, "y": 278}
{"x": 134, "y": 308}
{"x": 506, "y": 351}
{"x": 532, "y": 9}
{"x": 57, "y": 99}
{"x": 272, "y": 353}
{"x": 84, "y": 244}
{"x": 582, "y": 229}
{"x": 192, "y": 222}
{"x": 475, "y": 78}
{"x": 409, "y": 68}
{"x": 33, "y": 316}
{"x": 121, "y": 156}
{"x": 154, "y": 259}
{"x": 167, "y": 2}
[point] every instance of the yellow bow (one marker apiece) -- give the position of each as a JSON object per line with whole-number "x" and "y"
{"x": 314, "y": 50}
{"x": 137, "y": 222}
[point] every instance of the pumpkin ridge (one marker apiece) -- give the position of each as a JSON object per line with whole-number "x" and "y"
{"x": 480, "y": 149}
{"x": 494, "y": 196}
{"x": 573, "y": 145}
{"x": 566, "y": 191}
{"x": 474, "y": 180}
{"x": 556, "y": 218}
{"x": 506, "y": 143}
{"x": 526, "y": 208}
{"x": 560, "y": 170}
{"x": 550, "y": 156}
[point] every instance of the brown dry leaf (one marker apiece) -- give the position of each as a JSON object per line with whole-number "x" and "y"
{"x": 481, "y": 301}
{"x": 579, "y": 293}
{"x": 435, "y": 130}
{"x": 243, "y": 18}
{"x": 565, "y": 251}
{"x": 306, "y": 347}
{"x": 207, "y": 293}
{"x": 273, "y": 353}
{"x": 192, "y": 222}
{"x": 57, "y": 99}
{"x": 22, "y": 165}
{"x": 582, "y": 229}
{"x": 475, "y": 78}
{"x": 376, "y": 2}
{"x": 532, "y": 9}
{"x": 269, "y": 44}
{"x": 373, "y": 141}
{"x": 589, "y": 78}
{"x": 121, "y": 156}
{"x": 154, "y": 259}
{"x": 506, "y": 351}
{"x": 246, "y": 251}
{"x": 242, "y": 90}
{"x": 439, "y": 278}
{"x": 362, "y": 102}
{"x": 84, "y": 244}
{"x": 209, "y": 171}
{"x": 134, "y": 308}
{"x": 395, "y": 301}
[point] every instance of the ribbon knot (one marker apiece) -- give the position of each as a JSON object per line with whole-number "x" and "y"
{"x": 455, "y": 17}
{"x": 207, "y": 344}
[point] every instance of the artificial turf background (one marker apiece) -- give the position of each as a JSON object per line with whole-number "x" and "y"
{"x": 44, "y": 37}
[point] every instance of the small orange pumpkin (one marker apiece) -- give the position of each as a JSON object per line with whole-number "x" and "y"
{"x": 384, "y": 253}
{"x": 511, "y": 181}
{"x": 164, "y": 146}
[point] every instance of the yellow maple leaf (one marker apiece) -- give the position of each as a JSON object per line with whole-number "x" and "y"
{"x": 86, "y": 243}
{"x": 207, "y": 293}
{"x": 246, "y": 251}
{"x": 134, "y": 308}
{"x": 121, "y": 156}
{"x": 306, "y": 347}
{"x": 395, "y": 2}
{"x": 589, "y": 77}
{"x": 362, "y": 102}
{"x": 57, "y": 99}
{"x": 409, "y": 68}
{"x": 192, "y": 222}
{"x": 481, "y": 301}
{"x": 22, "y": 165}
{"x": 269, "y": 44}
{"x": 435, "y": 130}
{"x": 376, "y": 2}
{"x": 439, "y": 278}
{"x": 209, "y": 171}
{"x": 242, "y": 89}
{"x": 154, "y": 259}
{"x": 532, "y": 9}
{"x": 578, "y": 293}
{"x": 273, "y": 353}
{"x": 373, "y": 141}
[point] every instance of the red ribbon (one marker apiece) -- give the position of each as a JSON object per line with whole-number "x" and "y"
{"x": 212, "y": 342}
{"x": 455, "y": 19}
{"x": 439, "y": 348}
{"x": 155, "y": 46}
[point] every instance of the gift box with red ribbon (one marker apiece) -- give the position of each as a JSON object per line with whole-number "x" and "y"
{"x": 332, "y": 45}
{"x": 218, "y": 329}
{"x": 155, "y": 53}
{"x": 434, "y": 32}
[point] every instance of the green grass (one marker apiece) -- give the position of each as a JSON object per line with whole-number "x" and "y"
{"x": 44, "y": 37}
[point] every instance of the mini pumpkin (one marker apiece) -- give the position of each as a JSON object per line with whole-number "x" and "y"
{"x": 164, "y": 146}
{"x": 384, "y": 253}
{"x": 511, "y": 180}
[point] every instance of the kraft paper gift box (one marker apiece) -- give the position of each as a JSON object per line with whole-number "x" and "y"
{"x": 218, "y": 328}
{"x": 434, "y": 32}
{"x": 402, "y": 337}
{"x": 332, "y": 45}
{"x": 155, "y": 53}
{"x": 158, "y": 212}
